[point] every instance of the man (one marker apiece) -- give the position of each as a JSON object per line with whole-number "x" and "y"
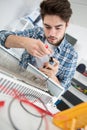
{"x": 55, "y": 16}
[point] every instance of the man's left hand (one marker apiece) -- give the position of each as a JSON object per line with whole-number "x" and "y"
{"x": 51, "y": 70}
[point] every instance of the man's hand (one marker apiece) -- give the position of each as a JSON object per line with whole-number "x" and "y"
{"x": 51, "y": 70}
{"x": 33, "y": 46}
{"x": 37, "y": 48}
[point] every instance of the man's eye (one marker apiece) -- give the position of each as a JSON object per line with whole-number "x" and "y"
{"x": 58, "y": 28}
{"x": 48, "y": 27}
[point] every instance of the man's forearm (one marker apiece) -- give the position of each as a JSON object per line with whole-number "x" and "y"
{"x": 14, "y": 41}
{"x": 33, "y": 46}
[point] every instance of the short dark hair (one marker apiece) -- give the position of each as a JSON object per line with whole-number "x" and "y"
{"x": 61, "y": 8}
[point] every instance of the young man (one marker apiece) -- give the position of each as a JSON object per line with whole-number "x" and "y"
{"x": 55, "y": 16}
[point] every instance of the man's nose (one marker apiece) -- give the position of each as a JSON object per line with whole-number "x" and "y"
{"x": 52, "y": 32}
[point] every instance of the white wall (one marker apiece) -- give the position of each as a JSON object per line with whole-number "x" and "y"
{"x": 80, "y": 33}
{"x": 79, "y": 16}
{"x": 8, "y": 11}
{"x": 12, "y": 9}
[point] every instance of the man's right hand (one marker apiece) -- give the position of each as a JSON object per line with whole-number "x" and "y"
{"x": 37, "y": 48}
{"x": 33, "y": 46}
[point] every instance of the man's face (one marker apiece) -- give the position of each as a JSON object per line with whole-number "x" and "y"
{"x": 54, "y": 28}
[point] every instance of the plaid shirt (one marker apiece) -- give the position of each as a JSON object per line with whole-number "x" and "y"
{"x": 64, "y": 53}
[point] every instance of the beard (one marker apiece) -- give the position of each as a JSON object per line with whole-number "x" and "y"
{"x": 54, "y": 41}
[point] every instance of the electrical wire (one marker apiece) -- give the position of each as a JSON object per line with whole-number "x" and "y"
{"x": 21, "y": 103}
{"x": 41, "y": 116}
{"x": 38, "y": 99}
{"x": 9, "y": 114}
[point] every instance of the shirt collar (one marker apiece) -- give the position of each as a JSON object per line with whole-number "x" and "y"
{"x": 62, "y": 44}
